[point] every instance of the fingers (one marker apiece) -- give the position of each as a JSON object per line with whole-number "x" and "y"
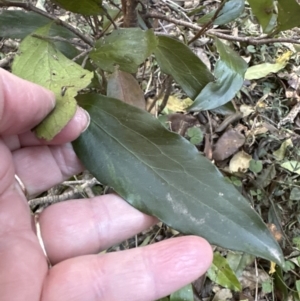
{"x": 81, "y": 227}
{"x": 42, "y": 167}
{"x": 70, "y": 132}
{"x": 140, "y": 274}
{"x": 22, "y": 104}
{"x": 22, "y": 263}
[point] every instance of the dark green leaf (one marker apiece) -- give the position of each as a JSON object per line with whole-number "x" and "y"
{"x": 187, "y": 69}
{"x": 162, "y": 174}
{"x": 184, "y": 294}
{"x": 288, "y": 14}
{"x": 229, "y": 72}
{"x": 221, "y": 273}
{"x": 263, "y": 10}
{"x": 231, "y": 10}
{"x": 83, "y": 7}
{"x": 126, "y": 48}
{"x": 18, "y": 24}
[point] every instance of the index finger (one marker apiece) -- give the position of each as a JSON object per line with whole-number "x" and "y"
{"x": 22, "y": 104}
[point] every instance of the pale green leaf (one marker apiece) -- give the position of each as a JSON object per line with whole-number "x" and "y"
{"x": 229, "y": 74}
{"x": 126, "y": 48}
{"x": 160, "y": 173}
{"x": 262, "y": 70}
{"x": 221, "y": 273}
{"x": 293, "y": 166}
{"x": 186, "y": 68}
{"x": 40, "y": 62}
{"x": 184, "y": 294}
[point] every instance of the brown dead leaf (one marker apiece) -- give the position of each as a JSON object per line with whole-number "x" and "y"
{"x": 179, "y": 123}
{"x": 228, "y": 144}
{"x": 250, "y": 278}
{"x": 124, "y": 86}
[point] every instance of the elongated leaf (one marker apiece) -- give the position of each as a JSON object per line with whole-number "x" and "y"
{"x": 17, "y": 24}
{"x": 124, "y": 86}
{"x": 221, "y": 273}
{"x": 263, "y": 10}
{"x": 83, "y": 7}
{"x": 231, "y": 10}
{"x": 288, "y": 14}
{"x": 162, "y": 174}
{"x": 187, "y": 69}
{"x": 40, "y": 62}
{"x": 127, "y": 48}
{"x": 184, "y": 294}
{"x": 229, "y": 71}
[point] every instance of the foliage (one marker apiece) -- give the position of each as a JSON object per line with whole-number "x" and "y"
{"x": 125, "y": 147}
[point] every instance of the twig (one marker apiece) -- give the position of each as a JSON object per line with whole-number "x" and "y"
{"x": 58, "y": 39}
{"x": 80, "y": 55}
{"x": 48, "y": 200}
{"x": 29, "y": 7}
{"x": 216, "y": 33}
{"x": 168, "y": 85}
{"x": 206, "y": 26}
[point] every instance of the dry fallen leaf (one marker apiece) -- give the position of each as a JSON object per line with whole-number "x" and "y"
{"x": 228, "y": 144}
{"x": 240, "y": 162}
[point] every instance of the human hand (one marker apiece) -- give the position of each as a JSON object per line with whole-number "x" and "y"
{"x": 73, "y": 231}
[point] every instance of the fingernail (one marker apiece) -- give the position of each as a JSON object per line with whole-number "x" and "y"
{"x": 84, "y": 118}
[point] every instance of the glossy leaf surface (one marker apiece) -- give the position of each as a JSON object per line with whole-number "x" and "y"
{"x": 231, "y": 10}
{"x": 126, "y": 48}
{"x": 17, "y": 24}
{"x": 162, "y": 174}
{"x": 186, "y": 68}
{"x": 83, "y": 7}
{"x": 40, "y": 62}
{"x": 229, "y": 72}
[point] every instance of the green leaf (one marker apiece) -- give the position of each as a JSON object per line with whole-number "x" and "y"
{"x": 83, "y": 7}
{"x": 126, "y": 48}
{"x": 187, "y": 69}
{"x": 262, "y": 70}
{"x": 229, "y": 72}
{"x": 40, "y": 62}
{"x": 293, "y": 166}
{"x": 195, "y": 135}
{"x": 18, "y": 24}
{"x": 221, "y": 273}
{"x": 162, "y": 174}
{"x": 184, "y": 294}
{"x": 263, "y": 10}
{"x": 231, "y": 10}
{"x": 288, "y": 14}
{"x": 255, "y": 166}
